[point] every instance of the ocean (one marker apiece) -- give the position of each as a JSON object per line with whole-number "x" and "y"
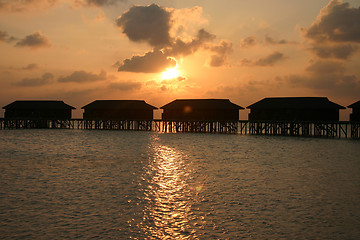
{"x": 98, "y": 184}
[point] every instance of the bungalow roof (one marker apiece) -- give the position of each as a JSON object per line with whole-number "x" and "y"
{"x": 295, "y": 103}
{"x": 118, "y": 104}
{"x": 201, "y": 104}
{"x": 38, "y": 104}
{"x": 355, "y": 105}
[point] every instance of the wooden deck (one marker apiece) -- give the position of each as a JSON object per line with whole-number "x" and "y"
{"x": 341, "y": 129}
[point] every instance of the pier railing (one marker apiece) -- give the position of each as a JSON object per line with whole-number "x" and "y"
{"x": 339, "y": 129}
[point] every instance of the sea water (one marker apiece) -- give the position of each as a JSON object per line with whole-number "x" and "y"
{"x": 57, "y": 184}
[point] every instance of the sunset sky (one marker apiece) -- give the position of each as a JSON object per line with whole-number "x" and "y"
{"x": 244, "y": 50}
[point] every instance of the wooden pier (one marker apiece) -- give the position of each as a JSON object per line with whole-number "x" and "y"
{"x": 341, "y": 129}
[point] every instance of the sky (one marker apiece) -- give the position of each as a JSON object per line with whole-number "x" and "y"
{"x": 79, "y": 51}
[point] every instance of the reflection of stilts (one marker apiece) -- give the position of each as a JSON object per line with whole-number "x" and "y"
{"x": 339, "y": 129}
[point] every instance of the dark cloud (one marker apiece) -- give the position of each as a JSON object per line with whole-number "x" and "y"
{"x": 270, "y": 40}
{"x": 149, "y": 24}
{"x": 337, "y": 51}
{"x": 151, "y": 62}
{"x": 182, "y": 48}
{"x": 35, "y": 82}
{"x": 83, "y": 77}
{"x": 326, "y": 68}
{"x": 203, "y": 40}
{"x": 221, "y": 50}
{"x": 217, "y": 60}
{"x": 125, "y": 86}
{"x": 5, "y": 37}
{"x": 335, "y": 34}
{"x": 34, "y": 40}
{"x": 31, "y": 66}
{"x": 181, "y": 78}
{"x": 248, "y": 42}
{"x": 328, "y": 77}
{"x": 269, "y": 60}
{"x": 100, "y": 3}
{"x": 337, "y": 22}
{"x": 152, "y": 24}
{"x": 156, "y": 60}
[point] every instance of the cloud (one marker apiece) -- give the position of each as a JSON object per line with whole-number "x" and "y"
{"x": 151, "y": 62}
{"x": 270, "y": 40}
{"x": 126, "y": 86}
{"x": 21, "y": 5}
{"x": 269, "y": 60}
{"x": 333, "y": 37}
{"x": 26, "y": 5}
{"x": 100, "y": 3}
{"x": 337, "y": 22}
{"x": 34, "y": 40}
{"x": 83, "y": 77}
{"x": 152, "y": 24}
{"x": 248, "y": 42}
{"x": 221, "y": 50}
{"x": 30, "y": 67}
{"x": 182, "y": 48}
{"x": 326, "y": 68}
{"x": 35, "y": 82}
{"x": 337, "y": 51}
{"x": 186, "y": 21}
{"x": 5, "y": 37}
{"x": 203, "y": 40}
{"x": 149, "y": 24}
{"x": 327, "y": 76}
{"x": 335, "y": 34}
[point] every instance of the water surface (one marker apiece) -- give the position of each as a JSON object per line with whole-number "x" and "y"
{"x": 57, "y": 184}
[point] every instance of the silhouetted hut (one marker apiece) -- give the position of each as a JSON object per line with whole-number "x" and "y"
{"x": 38, "y": 110}
{"x": 201, "y": 109}
{"x": 355, "y": 115}
{"x": 118, "y": 110}
{"x": 294, "y": 109}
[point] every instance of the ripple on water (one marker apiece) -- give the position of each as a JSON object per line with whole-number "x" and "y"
{"x": 141, "y": 185}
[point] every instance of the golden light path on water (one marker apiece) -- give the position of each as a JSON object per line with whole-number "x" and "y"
{"x": 168, "y": 195}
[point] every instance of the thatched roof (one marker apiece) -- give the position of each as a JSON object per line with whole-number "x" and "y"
{"x": 355, "y": 105}
{"x": 201, "y": 104}
{"x": 295, "y": 103}
{"x": 38, "y": 105}
{"x": 119, "y": 104}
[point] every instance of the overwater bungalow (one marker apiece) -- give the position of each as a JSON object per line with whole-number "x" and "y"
{"x": 38, "y": 110}
{"x": 118, "y": 110}
{"x": 201, "y": 110}
{"x": 355, "y": 115}
{"x": 294, "y": 109}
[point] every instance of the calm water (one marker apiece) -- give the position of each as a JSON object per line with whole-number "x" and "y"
{"x": 57, "y": 184}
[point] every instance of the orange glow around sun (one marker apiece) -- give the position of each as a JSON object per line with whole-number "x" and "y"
{"x": 170, "y": 73}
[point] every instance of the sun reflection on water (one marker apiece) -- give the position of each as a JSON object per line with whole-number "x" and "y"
{"x": 168, "y": 195}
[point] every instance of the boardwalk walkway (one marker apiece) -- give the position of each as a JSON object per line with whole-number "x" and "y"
{"x": 339, "y": 129}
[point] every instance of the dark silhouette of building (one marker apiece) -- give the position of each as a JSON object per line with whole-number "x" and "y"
{"x": 355, "y": 115}
{"x": 201, "y": 109}
{"x": 38, "y": 110}
{"x": 294, "y": 109}
{"x": 118, "y": 110}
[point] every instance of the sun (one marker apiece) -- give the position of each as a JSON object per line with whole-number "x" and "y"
{"x": 170, "y": 73}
